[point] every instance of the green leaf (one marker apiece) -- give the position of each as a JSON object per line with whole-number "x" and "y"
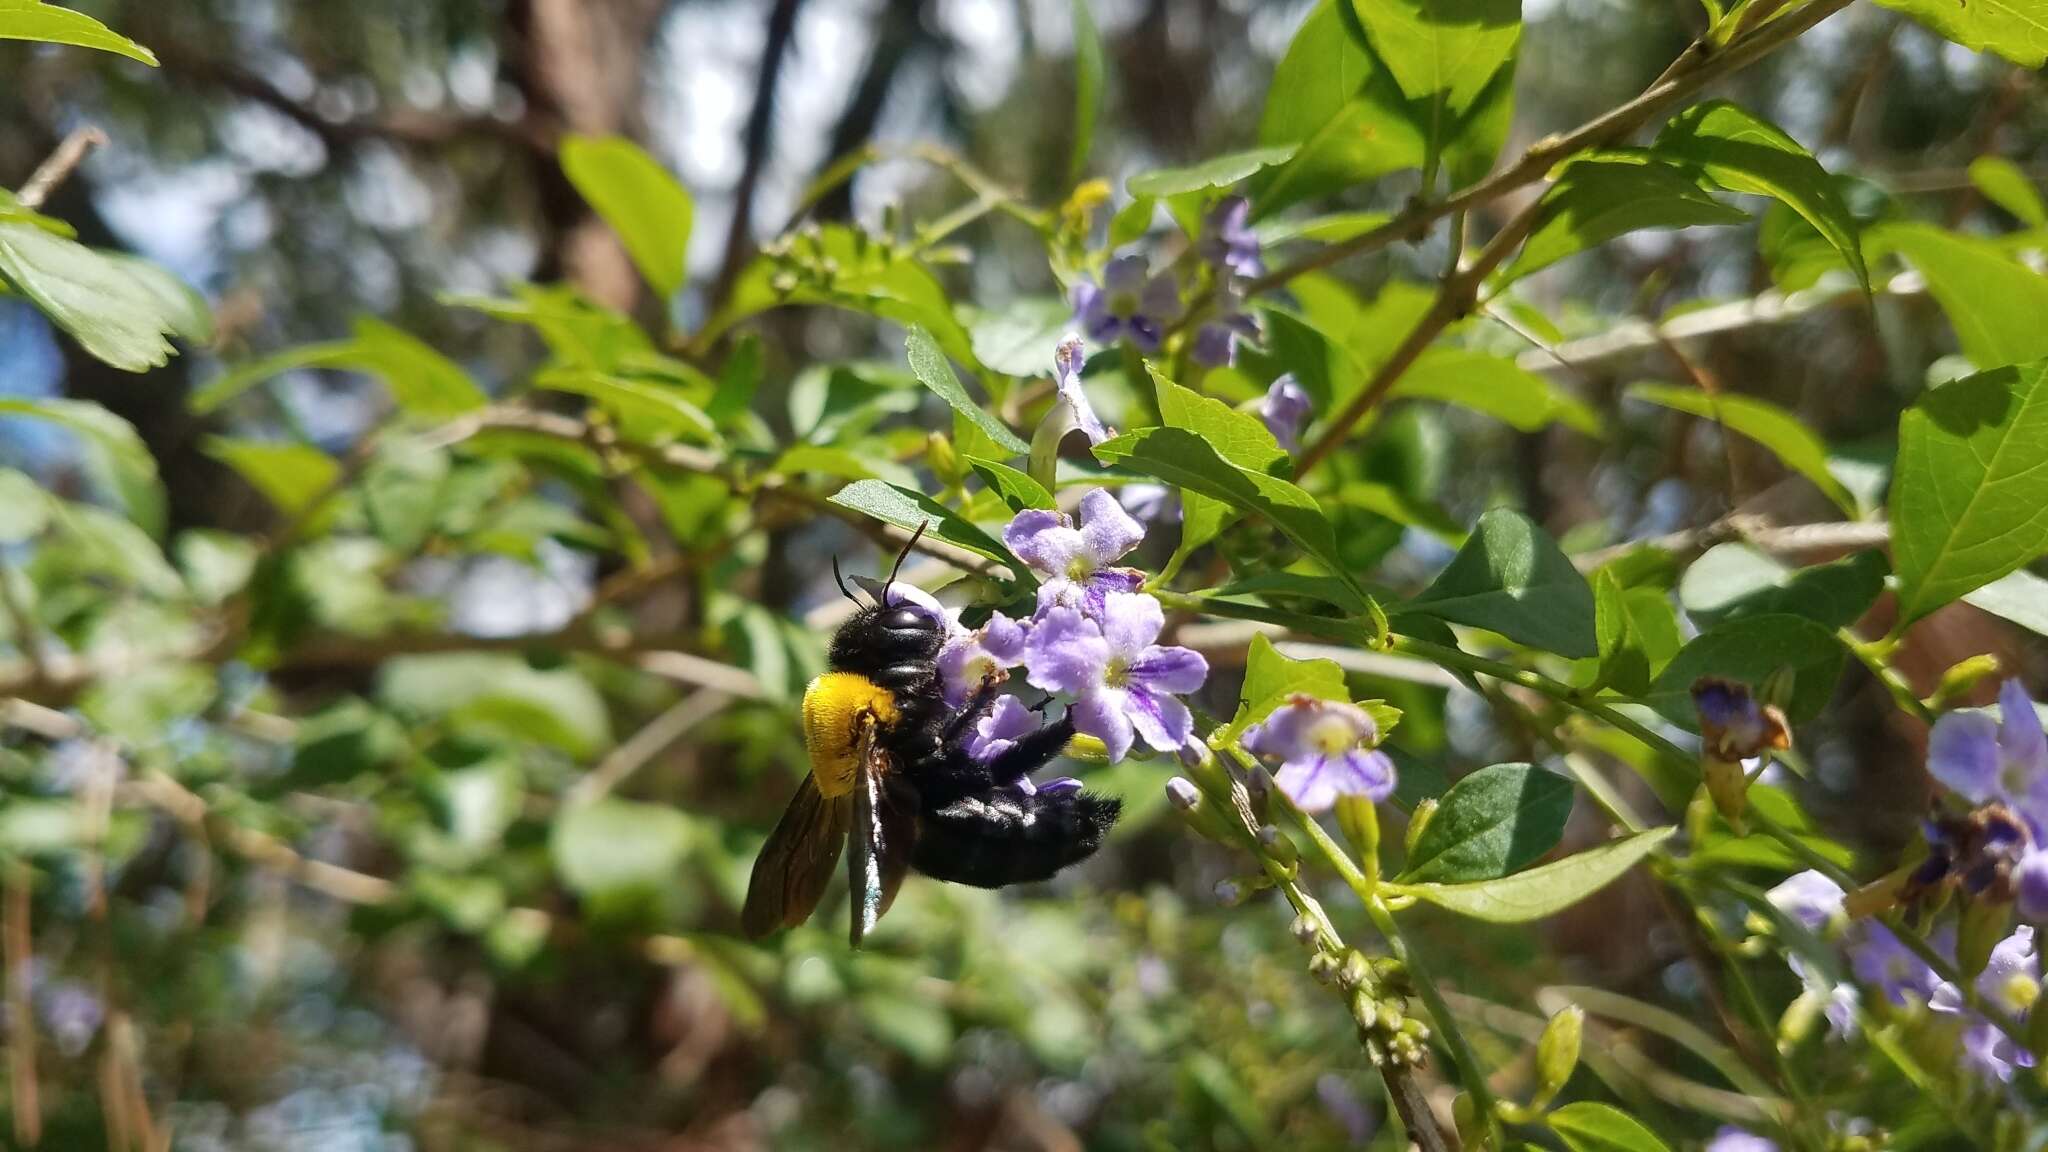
{"x": 907, "y": 508}
{"x": 1240, "y": 439}
{"x": 502, "y": 696}
{"x": 1088, "y": 71}
{"x": 2002, "y": 183}
{"x": 645, "y": 412}
{"x": 1638, "y": 633}
{"x": 1328, "y": 589}
{"x": 118, "y": 308}
{"x": 928, "y": 363}
{"x": 1761, "y": 421}
{"x": 1017, "y": 489}
{"x": 616, "y": 853}
{"x": 2020, "y": 597}
{"x": 35, "y": 20}
{"x": 1444, "y": 54}
{"x": 1271, "y": 677}
{"x": 1184, "y": 459}
{"x": 1969, "y": 500}
{"x": 235, "y": 381}
{"x": 1018, "y": 338}
{"x": 917, "y": 1026}
{"x": 1497, "y": 387}
{"x": 1588, "y": 1126}
{"x": 404, "y": 493}
{"x": 1540, "y": 891}
{"x": 1216, "y": 172}
{"x": 737, "y": 382}
{"x": 1742, "y": 153}
{"x": 113, "y": 546}
{"x": 1491, "y": 823}
{"x": 1733, "y": 580}
{"x": 2015, "y": 29}
{"x": 24, "y": 507}
{"x": 41, "y": 827}
{"x": 1335, "y": 100}
{"x": 113, "y": 450}
{"x": 1511, "y": 578}
{"x": 140, "y": 707}
{"x": 291, "y": 476}
{"x": 1994, "y": 302}
{"x": 421, "y": 379}
{"x": 1601, "y": 198}
{"x": 1749, "y": 650}
{"x": 634, "y": 194}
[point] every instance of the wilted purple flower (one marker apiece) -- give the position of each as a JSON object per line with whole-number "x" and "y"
{"x": 972, "y": 659}
{"x": 1067, "y": 361}
{"x": 1324, "y": 749}
{"x": 2011, "y": 981}
{"x": 1734, "y": 725}
{"x": 1285, "y": 410}
{"x": 1733, "y": 1139}
{"x": 1228, "y": 242}
{"x": 1078, "y": 562}
{"x": 1128, "y": 305}
{"x": 1121, "y": 680}
{"x": 2004, "y": 760}
{"x": 1879, "y": 960}
{"x": 1216, "y": 340}
{"x": 1809, "y": 898}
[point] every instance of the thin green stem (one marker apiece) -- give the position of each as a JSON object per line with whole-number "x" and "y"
{"x": 1872, "y": 653}
{"x": 1440, "y": 1012}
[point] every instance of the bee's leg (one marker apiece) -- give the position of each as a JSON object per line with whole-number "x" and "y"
{"x": 977, "y": 706}
{"x": 1031, "y": 752}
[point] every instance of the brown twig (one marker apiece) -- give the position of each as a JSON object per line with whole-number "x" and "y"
{"x": 61, "y": 164}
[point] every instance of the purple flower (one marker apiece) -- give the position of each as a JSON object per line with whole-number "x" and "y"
{"x": 997, "y": 732}
{"x": 1285, "y": 410}
{"x": 1147, "y": 501}
{"x": 1228, "y": 242}
{"x": 2030, "y": 885}
{"x": 1066, "y": 378}
{"x": 1809, "y": 898}
{"x": 1878, "y": 959}
{"x": 1122, "y": 682}
{"x": 1077, "y": 562}
{"x": 1129, "y": 305}
{"x": 1733, "y": 1139}
{"x": 1216, "y": 340}
{"x": 2011, "y": 981}
{"x": 972, "y": 659}
{"x": 1324, "y": 748}
{"x": 1734, "y": 725}
{"x": 2005, "y": 760}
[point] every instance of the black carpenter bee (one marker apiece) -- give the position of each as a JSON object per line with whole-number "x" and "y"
{"x": 891, "y": 773}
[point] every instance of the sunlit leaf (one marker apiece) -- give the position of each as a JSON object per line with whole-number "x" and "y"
{"x": 1764, "y": 422}
{"x": 1496, "y": 386}
{"x": 928, "y": 364}
{"x": 120, "y": 309}
{"x": 113, "y": 451}
{"x": 1511, "y": 578}
{"x": 644, "y": 205}
{"x": 1444, "y": 54}
{"x": 1748, "y": 650}
{"x": 2002, "y": 183}
{"x": 1216, "y": 172}
{"x": 2015, "y": 29}
{"x": 1994, "y": 302}
{"x": 1088, "y": 74}
{"x": 1599, "y": 199}
{"x": 1544, "y": 890}
{"x": 35, "y": 20}
{"x": 1589, "y": 1126}
{"x": 290, "y": 475}
{"x": 1491, "y": 823}
{"x": 1337, "y": 103}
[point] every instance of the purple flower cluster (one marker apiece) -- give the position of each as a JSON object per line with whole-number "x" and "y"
{"x": 1136, "y": 304}
{"x": 1324, "y": 749}
{"x": 2001, "y": 767}
{"x": 1130, "y": 304}
{"x": 1231, "y": 249}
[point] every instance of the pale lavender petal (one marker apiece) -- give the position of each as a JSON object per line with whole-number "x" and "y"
{"x": 1067, "y": 361}
{"x": 2030, "y": 880}
{"x": 2020, "y": 738}
{"x": 1309, "y": 783}
{"x": 999, "y": 731}
{"x": 1108, "y": 531}
{"x": 1003, "y": 639}
{"x": 1045, "y": 540}
{"x": 1282, "y": 734}
{"x": 1066, "y": 653}
{"x": 1104, "y": 713}
{"x": 1130, "y": 623}
{"x": 1733, "y": 1139}
{"x": 1106, "y": 581}
{"x": 1170, "y": 668}
{"x": 1284, "y": 410}
{"x": 1163, "y": 721}
{"x": 2011, "y": 957}
{"x": 961, "y": 670}
{"x": 1124, "y": 275}
{"x": 1809, "y": 898}
{"x": 1215, "y": 345}
{"x": 1059, "y": 784}
{"x": 1364, "y": 773}
{"x": 1161, "y": 302}
{"x": 1962, "y": 753}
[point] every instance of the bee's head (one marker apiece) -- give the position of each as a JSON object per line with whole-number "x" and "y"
{"x": 894, "y": 634}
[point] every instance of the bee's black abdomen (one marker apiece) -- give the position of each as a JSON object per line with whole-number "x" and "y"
{"x": 1002, "y": 838}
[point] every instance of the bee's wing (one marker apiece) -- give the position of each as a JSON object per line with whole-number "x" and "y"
{"x": 884, "y": 830}
{"x": 796, "y": 862}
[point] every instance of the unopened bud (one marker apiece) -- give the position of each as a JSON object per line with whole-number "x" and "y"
{"x": 1392, "y": 1013}
{"x": 1417, "y": 821}
{"x": 1958, "y": 681}
{"x": 1983, "y": 923}
{"x": 1277, "y": 845}
{"x": 1356, "y": 972}
{"x": 1557, "y": 1052}
{"x": 1360, "y": 822}
{"x": 1729, "y": 788}
{"x": 1323, "y": 966}
{"x": 944, "y": 462}
{"x": 1365, "y": 1010}
{"x": 1229, "y": 892}
{"x": 1183, "y": 794}
{"x": 1305, "y": 930}
{"x": 1465, "y": 1115}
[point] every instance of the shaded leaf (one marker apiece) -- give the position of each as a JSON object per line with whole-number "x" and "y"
{"x": 1599, "y": 199}
{"x": 1088, "y": 73}
{"x": 1762, "y": 421}
{"x": 1017, "y": 488}
{"x": 1733, "y": 580}
{"x": 1749, "y": 650}
{"x": 1540, "y": 891}
{"x": 1511, "y": 578}
{"x": 1491, "y": 823}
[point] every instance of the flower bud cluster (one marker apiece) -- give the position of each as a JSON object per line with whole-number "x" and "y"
{"x": 1376, "y": 989}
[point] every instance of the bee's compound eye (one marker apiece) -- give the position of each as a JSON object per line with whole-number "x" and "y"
{"x": 908, "y": 620}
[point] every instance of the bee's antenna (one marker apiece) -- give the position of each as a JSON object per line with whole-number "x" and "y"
{"x": 841, "y": 581}
{"x": 898, "y": 566}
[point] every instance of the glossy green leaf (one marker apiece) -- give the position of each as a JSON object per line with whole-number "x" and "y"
{"x": 1994, "y": 302}
{"x": 1637, "y": 631}
{"x": 1733, "y": 580}
{"x": 1762, "y": 421}
{"x": 1240, "y": 439}
{"x": 1742, "y": 153}
{"x": 645, "y": 206}
{"x": 35, "y": 20}
{"x": 1337, "y": 103}
{"x": 1599, "y": 199}
{"x": 1271, "y": 677}
{"x": 908, "y": 509}
{"x": 120, "y": 309}
{"x": 1494, "y": 822}
{"x": 1327, "y": 589}
{"x": 2004, "y": 184}
{"x": 1589, "y": 1126}
{"x": 2020, "y": 597}
{"x": 928, "y": 363}
{"x": 2015, "y": 29}
{"x": 1544, "y": 890}
{"x": 1969, "y": 499}
{"x": 1444, "y": 54}
{"x": 1748, "y": 650}
{"x": 1497, "y": 387}
{"x": 738, "y": 381}
{"x": 1088, "y": 77}
{"x": 1511, "y": 578}
{"x": 289, "y": 475}
{"x": 1017, "y": 488}
{"x": 112, "y": 449}
{"x": 1216, "y": 172}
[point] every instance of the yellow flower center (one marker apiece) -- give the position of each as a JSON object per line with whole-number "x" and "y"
{"x": 1118, "y": 673}
{"x": 1331, "y": 735}
{"x": 2019, "y": 992}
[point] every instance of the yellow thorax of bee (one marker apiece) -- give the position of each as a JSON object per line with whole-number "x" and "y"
{"x": 837, "y": 706}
